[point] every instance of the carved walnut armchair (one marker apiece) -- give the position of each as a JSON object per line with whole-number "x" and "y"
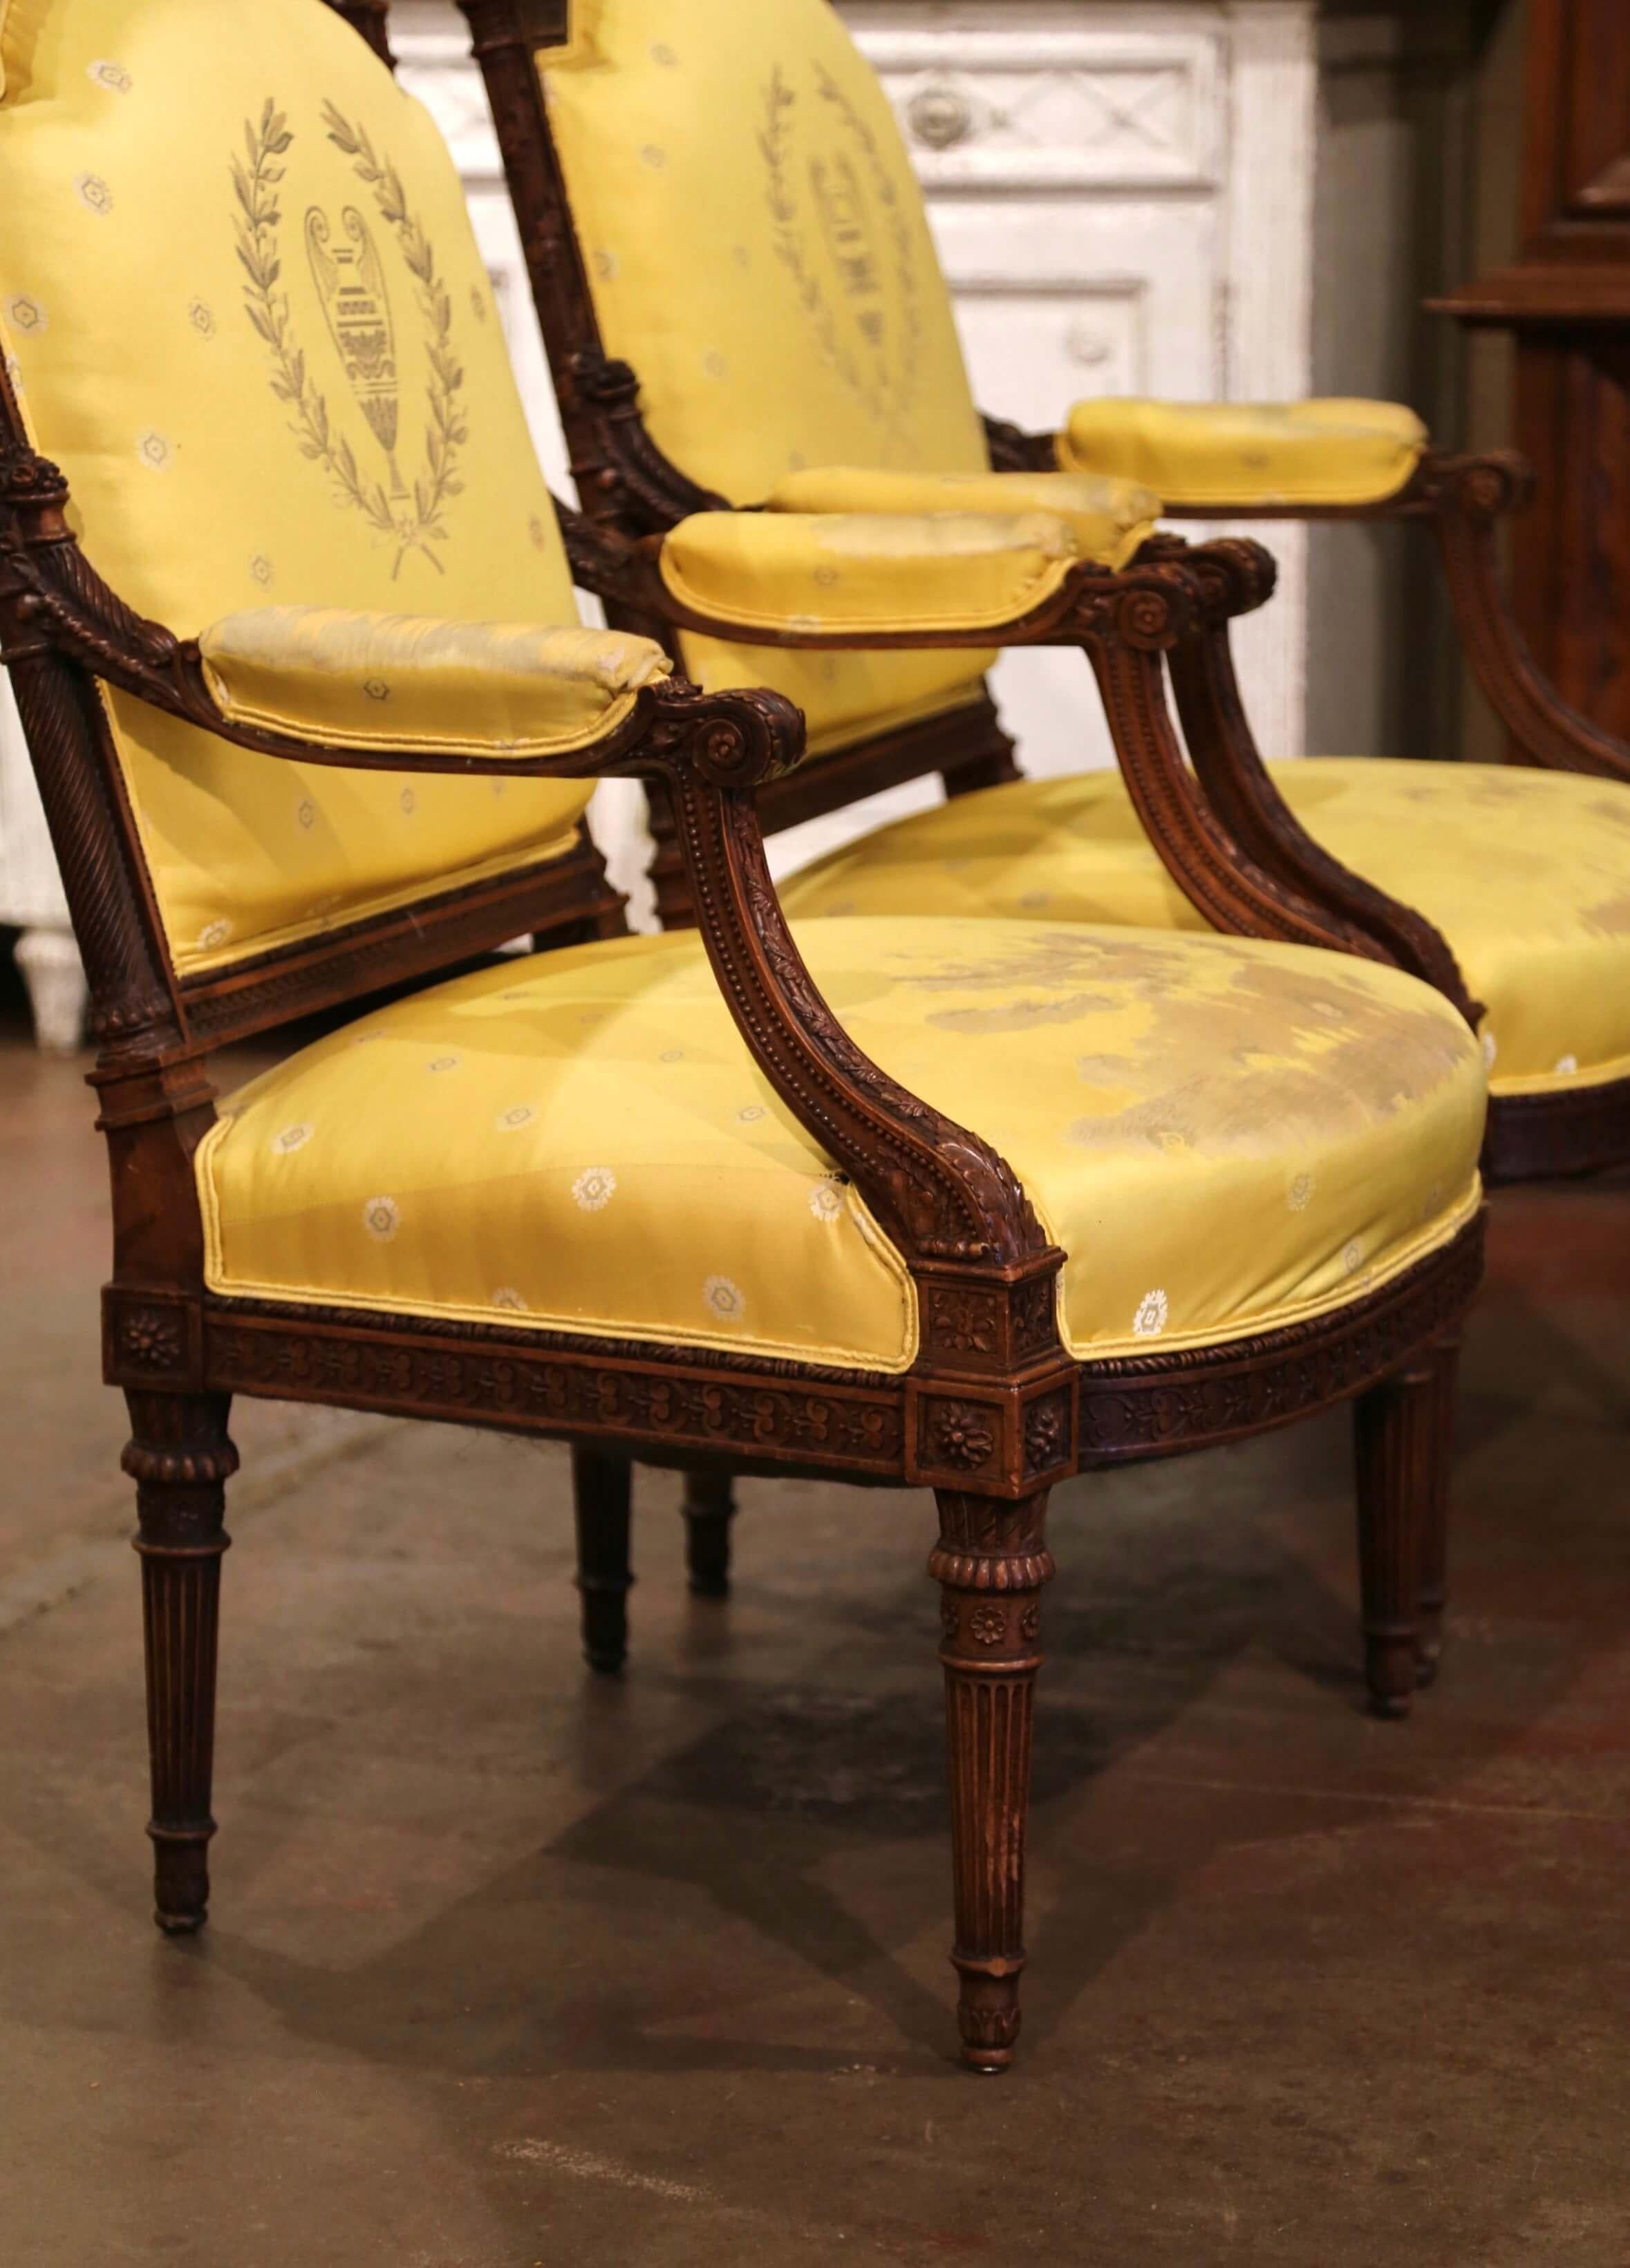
{"x": 719, "y": 202}
{"x": 721, "y": 1194}
{"x": 741, "y": 303}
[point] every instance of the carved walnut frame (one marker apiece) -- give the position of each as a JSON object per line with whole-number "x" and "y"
{"x": 1236, "y": 850}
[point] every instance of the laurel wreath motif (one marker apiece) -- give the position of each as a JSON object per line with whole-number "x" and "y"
{"x": 885, "y": 402}
{"x": 256, "y": 228}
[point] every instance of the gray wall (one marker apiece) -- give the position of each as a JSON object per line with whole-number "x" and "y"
{"x": 1418, "y": 150}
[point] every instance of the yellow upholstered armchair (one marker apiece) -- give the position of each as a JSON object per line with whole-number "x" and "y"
{"x": 290, "y": 623}
{"x": 742, "y": 306}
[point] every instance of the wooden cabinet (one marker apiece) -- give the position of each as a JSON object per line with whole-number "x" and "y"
{"x": 1567, "y": 298}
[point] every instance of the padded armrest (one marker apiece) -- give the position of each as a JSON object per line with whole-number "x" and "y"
{"x": 1111, "y": 518}
{"x": 819, "y": 575}
{"x": 1250, "y": 453}
{"x": 411, "y": 681}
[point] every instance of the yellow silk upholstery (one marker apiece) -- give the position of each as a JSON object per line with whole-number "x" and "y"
{"x": 1223, "y": 1137}
{"x": 241, "y": 306}
{"x": 850, "y": 572}
{"x": 1526, "y": 874}
{"x": 405, "y": 681}
{"x": 756, "y": 247}
{"x": 1248, "y": 452}
{"x": 1110, "y": 518}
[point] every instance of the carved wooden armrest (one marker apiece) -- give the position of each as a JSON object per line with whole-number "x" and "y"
{"x": 1127, "y": 622}
{"x": 949, "y": 1201}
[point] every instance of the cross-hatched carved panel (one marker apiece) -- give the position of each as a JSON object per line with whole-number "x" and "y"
{"x": 1047, "y": 109}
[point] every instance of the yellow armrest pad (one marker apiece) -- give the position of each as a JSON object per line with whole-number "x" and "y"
{"x": 1111, "y": 518}
{"x": 1248, "y": 452}
{"x": 369, "y": 680}
{"x": 832, "y": 574}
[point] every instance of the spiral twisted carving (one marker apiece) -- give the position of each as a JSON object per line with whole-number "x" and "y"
{"x": 1151, "y": 613}
{"x": 1489, "y": 488}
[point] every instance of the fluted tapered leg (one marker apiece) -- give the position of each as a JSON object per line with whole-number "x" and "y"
{"x": 180, "y": 1459}
{"x": 1394, "y": 1437}
{"x": 710, "y": 1508}
{"x": 602, "y": 1491}
{"x": 991, "y": 1563}
{"x": 1435, "y": 1538}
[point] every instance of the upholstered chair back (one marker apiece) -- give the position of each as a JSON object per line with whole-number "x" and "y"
{"x": 756, "y": 247}
{"x": 241, "y": 306}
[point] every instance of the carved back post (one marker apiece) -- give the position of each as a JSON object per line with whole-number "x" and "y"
{"x": 368, "y": 18}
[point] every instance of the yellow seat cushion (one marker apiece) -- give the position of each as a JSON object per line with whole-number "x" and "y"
{"x": 1218, "y": 453}
{"x": 1526, "y": 874}
{"x": 408, "y": 681}
{"x": 1110, "y": 518}
{"x": 845, "y": 571}
{"x": 1222, "y": 1136}
{"x": 756, "y": 248}
{"x": 241, "y": 306}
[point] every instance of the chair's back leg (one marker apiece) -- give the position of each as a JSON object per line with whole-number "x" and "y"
{"x": 180, "y": 1459}
{"x": 602, "y": 1497}
{"x": 709, "y": 1508}
{"x": 1434, "y": 1537}
{"x": 990, "y": 1563}
{"x": 1398, "y": 1448}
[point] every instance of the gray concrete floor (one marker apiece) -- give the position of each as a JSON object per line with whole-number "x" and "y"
{"x": 508, "y": 1966}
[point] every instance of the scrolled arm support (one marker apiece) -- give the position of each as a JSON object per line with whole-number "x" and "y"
{"x": 1240, "y": 789}
{"x": 1470, "y": 496}
{"x": 1234, "y": 575}
{"x": 940, "y": 1193}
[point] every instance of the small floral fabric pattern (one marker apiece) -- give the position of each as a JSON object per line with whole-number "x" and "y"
{"x": 1150, "y": 1319}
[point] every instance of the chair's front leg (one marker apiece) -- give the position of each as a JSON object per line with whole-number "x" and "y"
{"x": 990, "y": 1563}
{"x": 180, "y": 1459}
{"x": 1472, "y": 497}
{"x": 1398, "y": 1446}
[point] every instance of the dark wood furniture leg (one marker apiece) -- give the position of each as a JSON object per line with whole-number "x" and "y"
{"x": 1398, "y": 1446}
{"x": 990, "y": 1563}
{"x": 180, "y": 1459}
{"x": 1435, "y": 1538}
{"x": 709, "y": 1508}
{"x": 602, "y": 1484}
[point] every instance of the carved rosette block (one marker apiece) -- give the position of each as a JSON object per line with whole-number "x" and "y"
{"x": 1009, "y": 1439}
{"x": 1396, "y": 1442}
{"x": 180, "y": 1459}
{"x": 150, "y": 1337}
{"x": 991, "y": 1563}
